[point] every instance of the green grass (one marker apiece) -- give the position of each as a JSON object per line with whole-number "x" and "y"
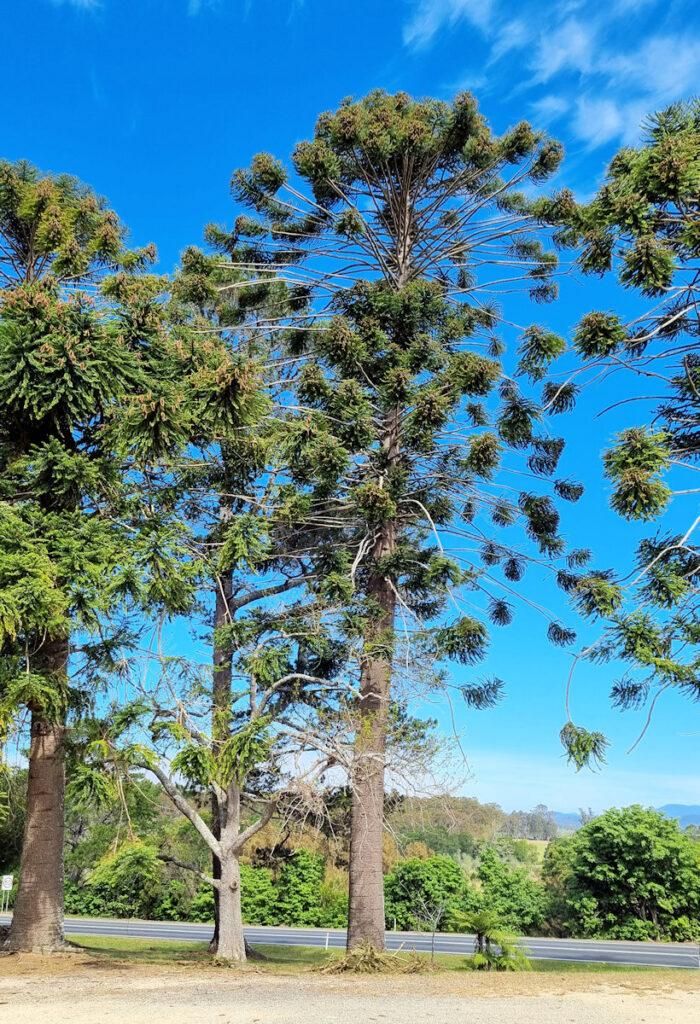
{"x": 141, "y": 950}
{"x": 287, "y": 959}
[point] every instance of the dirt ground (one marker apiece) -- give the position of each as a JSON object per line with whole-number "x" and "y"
{"x": 75, "y": 989}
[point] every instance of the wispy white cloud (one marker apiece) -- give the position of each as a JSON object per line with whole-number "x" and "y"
{"x": 666, "y": 67}
{"x": 663, "y": 69}
{"x": 82, "y": 5}
{"x": 195, "y": 7}
{"x": 570, "y": 47}
{"x": 430, "y": 16}
{"x": 513, "y": 36}
{"x": 598, "y": 121}
{"x": 633, "y": 6}
{"x": 550, "y": 108}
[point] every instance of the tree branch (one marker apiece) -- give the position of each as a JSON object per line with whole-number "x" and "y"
{"x": 190, "y": 867}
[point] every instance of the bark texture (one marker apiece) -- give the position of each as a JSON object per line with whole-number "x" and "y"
{"x": 221, "y": 663}
{"x": 366, "y": 901}
{"x": 37, "y": 922}
{"x": 227, "y": 941}
{"x": 231, "y": 944}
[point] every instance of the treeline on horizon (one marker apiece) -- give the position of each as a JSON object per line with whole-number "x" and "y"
{"x": 311, "y": 450}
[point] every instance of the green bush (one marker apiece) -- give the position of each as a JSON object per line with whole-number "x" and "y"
{"x": 494, "y": 948}
{"x": 258, "y": 896}
{"x": 333, "y": 907}
{"x": 174, "y": 904}
{"x": 419, "y": 893}
{"x": 630, "y": 874}
{"x": 299, "y": 890}
{"x": 202, "y": 906}
{"x": 511, "y": 895}
{"x": 129, "y": 883}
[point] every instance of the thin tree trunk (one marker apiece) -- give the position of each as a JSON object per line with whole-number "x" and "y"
{"x": 221, "y": 697}
{"x": 366, "y": 901}
{"x": 37, "y": 922}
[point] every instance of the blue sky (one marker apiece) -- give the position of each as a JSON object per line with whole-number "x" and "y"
{"x": 155, "y": 102}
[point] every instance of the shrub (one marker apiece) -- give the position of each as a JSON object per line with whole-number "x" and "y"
{"x": 420, "y": 894}
{"x": 258, "y": 896}
{"x": 517, "y": 901}
{"x": 631, "y": 874}
{"x": 494, "y": 947}
{"x": 128, "y": 883}
{"x": 299, "y": 889}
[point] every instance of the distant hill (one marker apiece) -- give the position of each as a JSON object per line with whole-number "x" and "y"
{"x": 687, "y": 814}
{"x": 567, "y": 821}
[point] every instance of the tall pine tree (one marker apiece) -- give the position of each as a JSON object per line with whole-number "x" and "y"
{"x": 403, "y": 224}
{"x": 65, "y": 362}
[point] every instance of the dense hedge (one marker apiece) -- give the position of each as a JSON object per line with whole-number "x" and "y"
{"x": 134, "y": 883}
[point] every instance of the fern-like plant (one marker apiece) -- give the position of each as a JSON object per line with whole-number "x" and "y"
{"x": 494, "y": 948}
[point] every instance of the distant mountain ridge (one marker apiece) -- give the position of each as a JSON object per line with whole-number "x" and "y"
{"x": 687, "y": 814}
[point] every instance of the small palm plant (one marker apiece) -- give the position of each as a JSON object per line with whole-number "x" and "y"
{"x": 494, "y": 947}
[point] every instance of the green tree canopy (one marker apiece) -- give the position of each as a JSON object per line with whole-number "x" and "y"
{"x": 399, "y": 224}
{"x": 643, "y": 225}
{"x": 629, "y": 874}
{"x": 422, "y": 894}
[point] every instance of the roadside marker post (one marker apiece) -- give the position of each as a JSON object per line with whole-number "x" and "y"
{"x": 5, "y": 890}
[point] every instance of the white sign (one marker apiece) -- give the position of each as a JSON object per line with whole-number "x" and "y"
{"x": 7, "y": 881}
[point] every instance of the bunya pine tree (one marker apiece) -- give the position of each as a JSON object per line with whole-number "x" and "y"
{"x": 404, "y": 222}
{"x": 643, "y": 226}
{"x": 68, "y": 357}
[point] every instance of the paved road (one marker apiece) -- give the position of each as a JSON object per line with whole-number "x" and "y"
{"x": 648, "y": 954}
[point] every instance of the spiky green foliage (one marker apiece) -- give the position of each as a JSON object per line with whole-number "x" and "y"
{"x": 66, "y": 366}
{"x": 395, "y": 221}
{"x": 495, "y": 949}
{"x": 53, "y": 225}
{"x": 399, "y": 353}
{"x": 644, "y": 226}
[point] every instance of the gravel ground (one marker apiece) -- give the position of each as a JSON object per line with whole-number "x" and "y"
{"x": 73, "y": 990}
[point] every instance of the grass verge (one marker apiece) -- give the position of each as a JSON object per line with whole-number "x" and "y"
{"x": 292, "y": 959}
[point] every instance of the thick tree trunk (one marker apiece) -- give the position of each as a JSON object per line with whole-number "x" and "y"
{"x": 366, "y": 902}
{"x": 37, "y": 922}
{"x": 231, "y": 943}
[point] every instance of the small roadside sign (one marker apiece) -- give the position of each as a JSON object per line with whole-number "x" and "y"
{"x": 5, "y": 887}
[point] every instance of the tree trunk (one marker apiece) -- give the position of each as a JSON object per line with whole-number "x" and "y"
{"x": 221, "y": 695}
{"x": 37, "y": 922}
{"x": 221, "y": 663}
{"x": 231, "y": 943}
{"x": 366, "y": 901}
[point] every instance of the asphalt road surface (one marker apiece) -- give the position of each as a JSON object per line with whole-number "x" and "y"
{"x": 647, "y": 954}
